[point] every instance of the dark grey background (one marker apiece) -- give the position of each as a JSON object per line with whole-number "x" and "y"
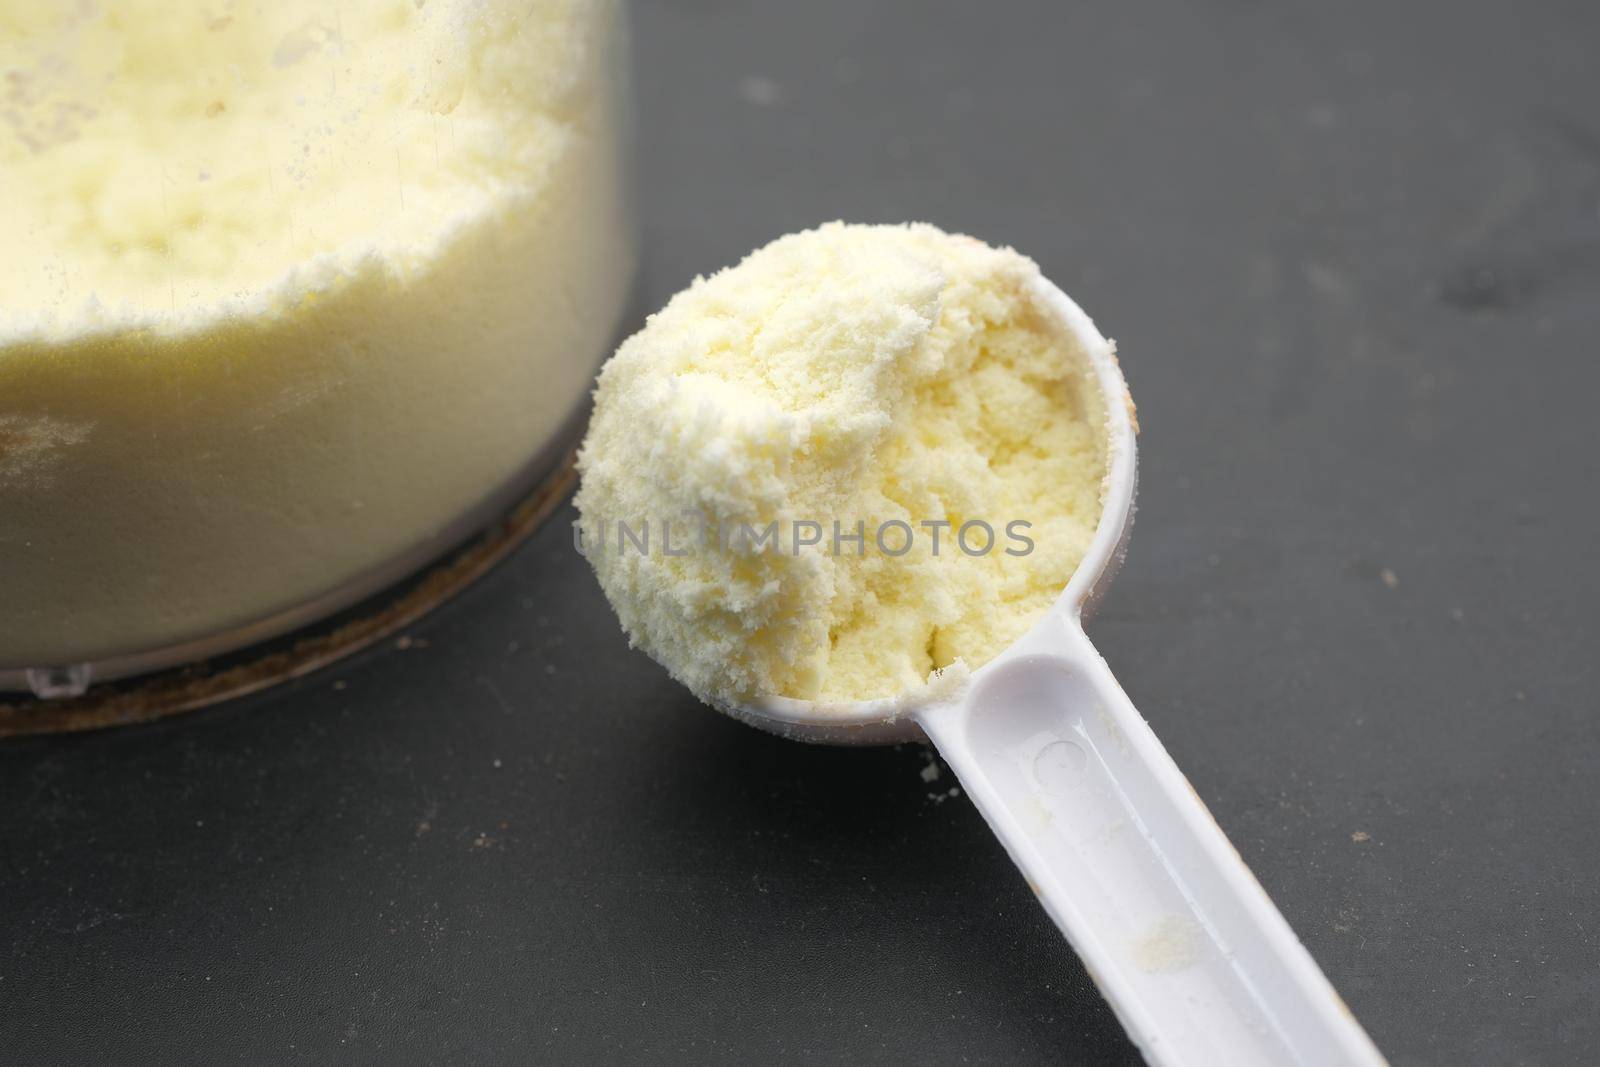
{"x": 1352, "y": 255}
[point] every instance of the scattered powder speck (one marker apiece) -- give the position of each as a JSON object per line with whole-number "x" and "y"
{"x": 762, "y": 92}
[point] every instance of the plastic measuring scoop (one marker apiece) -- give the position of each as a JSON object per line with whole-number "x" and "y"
{"x": 1194, "y": 958}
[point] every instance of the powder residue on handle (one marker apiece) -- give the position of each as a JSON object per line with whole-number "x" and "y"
{"x": 1172, "y": 943}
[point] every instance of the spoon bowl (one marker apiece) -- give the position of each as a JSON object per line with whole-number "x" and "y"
{"x": 892, "y": 720}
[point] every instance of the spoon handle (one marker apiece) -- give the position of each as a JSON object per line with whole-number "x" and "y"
{"x": 1194, "y": 958}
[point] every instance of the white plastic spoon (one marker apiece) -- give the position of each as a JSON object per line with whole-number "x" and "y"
{"x": 1193, "y": 957}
